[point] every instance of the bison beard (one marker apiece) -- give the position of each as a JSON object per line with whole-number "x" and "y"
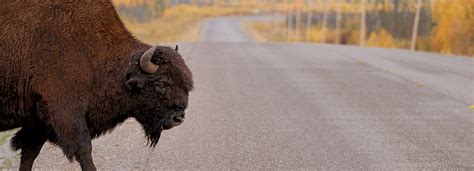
{"x": 71, "y": 72}
{"x": 153, "y": 134}
{"x": 154, "y": 128}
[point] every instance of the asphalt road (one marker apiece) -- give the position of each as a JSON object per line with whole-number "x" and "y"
{"x": 223, "y": 30}
{"x": 304, "y": 106}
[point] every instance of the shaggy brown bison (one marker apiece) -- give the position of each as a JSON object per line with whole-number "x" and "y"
{"x": 70, "y": 72}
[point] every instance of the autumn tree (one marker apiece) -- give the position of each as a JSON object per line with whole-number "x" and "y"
{"x": 454, "y": 26}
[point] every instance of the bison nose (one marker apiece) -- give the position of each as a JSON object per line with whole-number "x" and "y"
{"x": 178, "y": 118}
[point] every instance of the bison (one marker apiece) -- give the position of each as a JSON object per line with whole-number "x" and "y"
{"x": 70, "y": 72}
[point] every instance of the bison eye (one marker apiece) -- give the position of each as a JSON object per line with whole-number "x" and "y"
{"x": 177, "y": 108}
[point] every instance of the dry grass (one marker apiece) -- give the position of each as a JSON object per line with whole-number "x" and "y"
{"x": 265, "y": 32}
{"x": 255, "y": 32}
{"x": 178, "y": 23}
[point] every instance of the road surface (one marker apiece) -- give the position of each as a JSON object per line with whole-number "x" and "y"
{"x": 304, "y": 106}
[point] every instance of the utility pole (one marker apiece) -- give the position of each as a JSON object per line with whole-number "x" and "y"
{"x": 309, "y": 19}
{"x": 415, "y": 25}
{"x": 289, "y": 21}
{"x": 284, "y": 13}
{"x": 325, "y": 20}
{"x": 338, "y": 22}
{"x": 273, "y": 12}
{"x": 362, "y": 24}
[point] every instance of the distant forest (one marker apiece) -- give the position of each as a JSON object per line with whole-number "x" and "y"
{"x": 445, "y": 26}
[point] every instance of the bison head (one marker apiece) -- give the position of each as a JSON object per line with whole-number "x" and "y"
{"x": 157, "y": 84}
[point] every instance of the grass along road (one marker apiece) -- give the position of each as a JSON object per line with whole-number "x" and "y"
{"x": 7, "y": 157}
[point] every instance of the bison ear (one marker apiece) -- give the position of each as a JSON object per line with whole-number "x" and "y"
{"x": 134, "y": 84}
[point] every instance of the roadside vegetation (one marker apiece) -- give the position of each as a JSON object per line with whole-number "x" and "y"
{"x": 443, "y": 26}
{"x": 6, "y": 162}
{"x": 4, "y": 136}
{"x": 179, "y": 22}
{"x": 150, "y": 22}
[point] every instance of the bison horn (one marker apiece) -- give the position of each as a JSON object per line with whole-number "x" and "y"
{"x": 176, "y": 48}
{"x": 145, "y": 61}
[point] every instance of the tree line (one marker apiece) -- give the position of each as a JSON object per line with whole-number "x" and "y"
{"x": 432, "y": 25}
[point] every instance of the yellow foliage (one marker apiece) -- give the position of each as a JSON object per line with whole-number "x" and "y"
{"x": 354, "y": 37}
{"x": 453, "y": 22}
{"x": 259, "y": 31}
{"x": 315, "y": 34}
{"x": 454, "y": 26}
{"x": 176, "y": 22}
{"x": 133, "y": 2}
{"x": 381, "y": 38}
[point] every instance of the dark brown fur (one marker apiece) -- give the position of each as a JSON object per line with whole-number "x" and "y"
{"x": 69, "y": 73}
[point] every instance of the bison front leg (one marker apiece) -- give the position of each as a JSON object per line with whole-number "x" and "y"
{"x": 30, "y": 141}
{"x": 84, "y": 154}
{"x": 73, "y": 137}
{"x": 64, "y": 110}
{"x": 75, "y": 142}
